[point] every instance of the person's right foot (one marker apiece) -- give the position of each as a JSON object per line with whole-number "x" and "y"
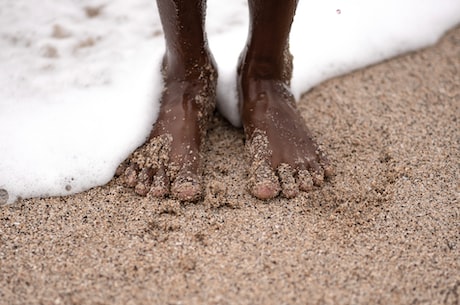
{"x": 169, "y": 162}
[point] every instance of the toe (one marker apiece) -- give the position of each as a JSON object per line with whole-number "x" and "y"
{"x": 187, "y": 186}
{"x": 144, "y": 181}
{"x": 328, "y": 170}
{"x": 318, "y": 177}
{"x": 289, "y": 187}
{"x": 325, "y": 164}
{"x": 265, "y": 190}
{"x": 265, "y": 184}
{"x": 316, "y": 172}
{"x": 160, "y": 184}
{"x": 305, "y": 180}
{"x": 121, "y": 169}
{"x": 327, "y": 167}
{"x": 130, "y": 176}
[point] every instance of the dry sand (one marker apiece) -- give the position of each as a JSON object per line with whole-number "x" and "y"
{"x": 384, "y": 230}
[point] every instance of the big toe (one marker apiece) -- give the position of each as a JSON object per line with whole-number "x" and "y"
{"x": 265, "y": 190}
{"x": 265, "y": 184}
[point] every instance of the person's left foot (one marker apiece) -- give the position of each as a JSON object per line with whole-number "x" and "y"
{"x": 283, "y": 156}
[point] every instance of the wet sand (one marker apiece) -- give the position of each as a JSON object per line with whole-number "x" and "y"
{"x": 385, "y": 229}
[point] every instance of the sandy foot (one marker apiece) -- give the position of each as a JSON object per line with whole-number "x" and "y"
{"x": 169, "y": 163}
{"x": 283, "y": 156}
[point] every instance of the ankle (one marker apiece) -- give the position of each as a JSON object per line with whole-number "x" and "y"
{"x": 183, "y": 67}
{"x": 260, "y": 64}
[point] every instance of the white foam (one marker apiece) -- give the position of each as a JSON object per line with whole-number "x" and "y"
{"x": 72, "y": 108}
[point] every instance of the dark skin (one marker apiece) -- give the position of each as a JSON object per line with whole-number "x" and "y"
{"x": 288, "y": 162}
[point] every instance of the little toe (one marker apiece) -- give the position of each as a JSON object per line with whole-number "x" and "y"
{"x": 121, "y": 169}
{"x": 325, "y": 164}
{"x": 130, "y": 176}
{"x": 316, "y": 172}
{"x": 289, "y": 187}
{"x": 327, "y": 167}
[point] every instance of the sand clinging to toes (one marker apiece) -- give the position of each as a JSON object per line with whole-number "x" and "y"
{"x": 261, "y": 174}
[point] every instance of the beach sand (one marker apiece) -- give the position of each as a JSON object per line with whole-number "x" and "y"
{"x": 384, "y": 230}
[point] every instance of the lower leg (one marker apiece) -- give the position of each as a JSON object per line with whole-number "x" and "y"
{"x": 187, "y": 49}
{"x": 267, "y": 48}
{"x": 283, "y": 155}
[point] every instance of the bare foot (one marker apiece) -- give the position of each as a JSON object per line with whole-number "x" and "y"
{"x": 283, "y": 156}
{"x": 169, "y": 162}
